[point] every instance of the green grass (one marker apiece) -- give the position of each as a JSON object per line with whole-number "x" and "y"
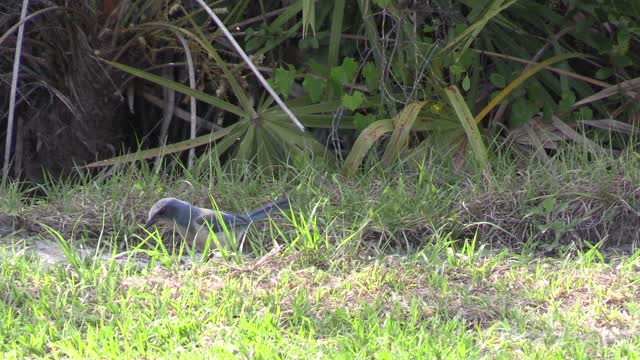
{"x": 388, "y": 265}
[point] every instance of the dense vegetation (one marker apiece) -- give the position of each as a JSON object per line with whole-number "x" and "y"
{"x": 402, "y": 77}
{"x": 465, "y": 185}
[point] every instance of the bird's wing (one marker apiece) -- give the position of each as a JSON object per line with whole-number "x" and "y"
{"x": 213, "y": 219}
{"x": 257, "y": 214}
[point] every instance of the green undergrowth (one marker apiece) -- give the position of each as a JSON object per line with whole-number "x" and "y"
{"x": 421, "y": 262}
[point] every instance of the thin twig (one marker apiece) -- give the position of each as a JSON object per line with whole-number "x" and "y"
{"x": 264, "y": 17}
{"x": 24, "y": 20}
{"x": 258, "y": 264}
{"x": 550, "y": 68}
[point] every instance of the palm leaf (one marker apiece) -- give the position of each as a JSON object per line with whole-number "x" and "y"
{"x": 403, "y": 123}
{"x": 363, "y": 144}
{"x": 470, "y": 127}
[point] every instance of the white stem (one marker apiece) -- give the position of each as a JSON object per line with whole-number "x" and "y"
{"x": 12, "y": 96}
{"x": 192, "y": 84}
{"x": 244, "y": 56}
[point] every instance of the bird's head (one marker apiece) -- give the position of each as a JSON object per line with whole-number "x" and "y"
{"x": 167, "y": 211}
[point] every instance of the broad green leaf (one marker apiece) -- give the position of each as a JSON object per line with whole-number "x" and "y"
{"x": 254, "y": 39}
{"x": 345, "y": 73}
{"x": 319, "y": 69}
{"x": 548, "y": 204}
{"x": 522, "y": 110}
{"x": 456, "y": 70}
{"x": 466, "y": 58}
{"x": 623, "y": 39}
{"x": 604, "y": 73}
{"x": 466, "y": 83}
{"x": 314, "y": 87}
{"x": 283, "y": 80}
{"x": 309, "y": 43}
{"x": 459, "y": 28}
{"x": 497, "y": 80}
{"x": 362, "y": 121}
{"x": 567, "y": 101}
{"x": 354, "y": 101}
{"x": 537, "y": 93}
{"x": 584, "y": 113}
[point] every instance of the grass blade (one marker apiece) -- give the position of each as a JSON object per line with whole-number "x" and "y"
{"x": 308, "y": 16}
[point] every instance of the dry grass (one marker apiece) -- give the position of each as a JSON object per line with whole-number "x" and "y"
{"x": 523, "y": 210}
{"x": 573, "y": 212}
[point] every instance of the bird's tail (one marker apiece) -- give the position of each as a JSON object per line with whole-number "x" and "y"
{"x": 257, "y": 214}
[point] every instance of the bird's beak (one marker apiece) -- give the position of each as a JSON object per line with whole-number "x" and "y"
{"x": 152, "y": 221}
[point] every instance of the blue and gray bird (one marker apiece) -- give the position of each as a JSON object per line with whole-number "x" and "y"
{"x": 193, "y": 223}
